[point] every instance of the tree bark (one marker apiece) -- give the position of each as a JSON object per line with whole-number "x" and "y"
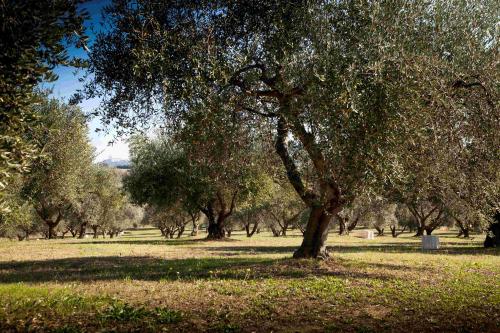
{"x": 180, "y": 231}
{"x": 215, "y": 231}
{"x": 94, "y": 228}
{"x": 315, "y": 236}
{"x": 51, "y": 234}
{"x": 83, "y": 230}
{"x": 250, "y": 233}
{"x": 325, "y": 202}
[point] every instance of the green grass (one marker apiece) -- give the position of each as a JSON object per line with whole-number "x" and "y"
{"x": 142, "y": 282}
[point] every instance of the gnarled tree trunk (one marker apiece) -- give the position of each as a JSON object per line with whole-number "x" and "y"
{"x": 315, "y": 236}
{"x": 325, "y": 202}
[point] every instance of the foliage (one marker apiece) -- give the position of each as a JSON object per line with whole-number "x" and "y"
{"x": 342, "y": 87}
{"x": 170, "y": 220}
{"x": 34, "y": 38}
{"x": 167, "y": 174}
{"x": 20, "y": 220}
{"x": 58, "y": 179}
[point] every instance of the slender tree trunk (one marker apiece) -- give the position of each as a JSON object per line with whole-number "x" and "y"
{"x": 342, "y": 226}
{"x": 181, "y": 231}
{"x": 83, "y": 230}
{"x": 195, "y": 228}
{"x": 283, "y": 229}
{"x": 352, "y": 225}
{"x": 254, "y": 229}
{"x": 315, "y": 236}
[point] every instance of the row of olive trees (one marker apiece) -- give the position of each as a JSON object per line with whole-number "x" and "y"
{"x": 65, "y": 191}
{"x": 397, "y": 98}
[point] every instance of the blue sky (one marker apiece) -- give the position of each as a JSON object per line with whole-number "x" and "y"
{"x": 68, "y": 84}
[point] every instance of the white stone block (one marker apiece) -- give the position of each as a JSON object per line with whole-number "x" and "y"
{"x": 366, "y": 234}
{"x": 430, "y": 242}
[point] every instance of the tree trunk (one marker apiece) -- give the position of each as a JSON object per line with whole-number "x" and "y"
{"x": 283, "y": 230}
{"x": 181, "y": 231}
{"x": 254, "y": 229}
{"x": 83, "y": 230}
{"x": 315, "y": 236}
{"x": 352, "y": 225}
{"x": 195, "y": 229}
{"x": 420, "y": 232}
{"x": 229, "y": 231}
{"x": 216, "y": 228}
{"x": 94, "y": 228}
{"x": 51, "y": 234}
{"x": 276, "y": 232}
{"x": 380, "y": 231}
{"x": 342, "y": 229}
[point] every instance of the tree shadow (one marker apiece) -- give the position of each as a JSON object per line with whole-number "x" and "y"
{"x": 415, "y": 248}
{"x": 162, "y": 241}
{"x": 89, "y": 269}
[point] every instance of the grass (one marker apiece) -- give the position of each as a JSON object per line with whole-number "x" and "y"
{"x": 142, "y": 282}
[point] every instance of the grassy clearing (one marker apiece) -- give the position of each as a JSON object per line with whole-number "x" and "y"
{"x": 142, "y": 282}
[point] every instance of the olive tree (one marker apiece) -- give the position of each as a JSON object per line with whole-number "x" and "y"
{"x": 58, "y": 178}
{"x": 34, "y": 38}
{"x": 334, "y": 81}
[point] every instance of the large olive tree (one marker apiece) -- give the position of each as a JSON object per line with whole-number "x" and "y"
{"x": 334, "y": 80}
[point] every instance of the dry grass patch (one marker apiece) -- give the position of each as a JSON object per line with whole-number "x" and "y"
{"x": 143, "y": 282}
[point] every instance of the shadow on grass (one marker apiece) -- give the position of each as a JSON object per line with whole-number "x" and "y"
{"x": 379, "y": 247}
{"x": 88, "y": 269}
{"x": 162, "y": 241}
{"x": 415, "y": 248}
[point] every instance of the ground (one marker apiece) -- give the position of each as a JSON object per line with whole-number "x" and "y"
{"x": 142, "y": 282}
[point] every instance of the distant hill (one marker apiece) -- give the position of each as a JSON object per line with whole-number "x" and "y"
{"x": 116, "y": 163}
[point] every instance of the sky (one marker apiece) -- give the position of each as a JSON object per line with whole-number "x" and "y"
{"x": 68, "y": 84}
